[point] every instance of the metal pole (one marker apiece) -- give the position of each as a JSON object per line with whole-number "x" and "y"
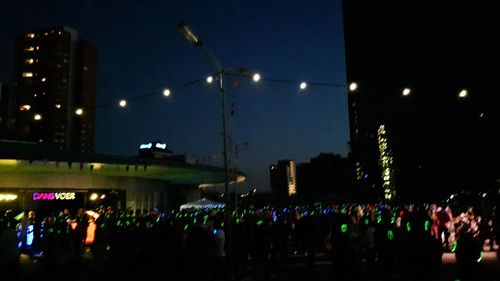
{"x": 226, "y": 185}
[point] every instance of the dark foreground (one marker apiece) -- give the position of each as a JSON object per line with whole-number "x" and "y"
{"x": 89, "y": 268}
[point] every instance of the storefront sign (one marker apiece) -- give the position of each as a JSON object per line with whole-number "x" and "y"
{"x": 54, "y": 196}
{"x": 7, "y": 197}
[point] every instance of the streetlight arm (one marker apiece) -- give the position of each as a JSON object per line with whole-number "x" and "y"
{"x": 194, "y": 40}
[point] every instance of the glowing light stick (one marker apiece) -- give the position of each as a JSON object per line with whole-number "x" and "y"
{"x": 408, "y": 227}
{"x": 454, "y": 247}
{"x": 427, "y": 225}
{"x": 343, "y": 228}
{"x": 19, "y": 217}
{"x": 390, "y": 235}
{"x": 480, "y": 257}
{"x": 260, "y": 222}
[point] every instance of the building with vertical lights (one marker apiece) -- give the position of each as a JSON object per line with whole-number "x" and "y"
{"x": 55, "y": 73}
{"x": 283, "y": 177}
{"x": 423, "y": 97}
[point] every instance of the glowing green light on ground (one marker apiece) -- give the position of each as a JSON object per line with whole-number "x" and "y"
{"x": 427, "y": 225}
{"x": 454, "y": 247}
{"x": 390, "y": 235}
{"x": 260, "y": 222}
{"x": 343, "y": 228}
{"x": 379, "y": 219}
{"x": 480, "y": 257}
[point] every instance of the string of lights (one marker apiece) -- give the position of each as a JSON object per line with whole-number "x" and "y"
{"x": 303, "y": 85}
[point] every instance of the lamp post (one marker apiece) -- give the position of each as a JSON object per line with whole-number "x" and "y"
{"x": 194, "y": 40}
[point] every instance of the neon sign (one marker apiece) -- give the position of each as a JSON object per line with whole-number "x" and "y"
{"x": 50, "y": 196}
{"x": 161, "y": 145}
{"x": 145, "y": 146}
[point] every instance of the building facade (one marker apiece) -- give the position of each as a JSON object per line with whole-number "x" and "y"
{"x": 55, "y": 73}
{"x": 283, "y": 176}
{"x": 326, "y": 173}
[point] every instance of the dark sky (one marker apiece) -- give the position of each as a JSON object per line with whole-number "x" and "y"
{"x": 140, "y": 51}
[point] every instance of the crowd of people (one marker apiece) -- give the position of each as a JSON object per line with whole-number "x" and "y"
{"x": 387, "y": 242}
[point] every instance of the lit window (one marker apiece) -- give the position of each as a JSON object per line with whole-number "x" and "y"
{"x": 30, "y": 35}
{"x": 27, "y": 74}
{"x": 46, "y": 33}
{"x": 44, "y": 79}
{"x": 37, "y": 117}
{"x": 29, "y": 49}
{"x": 58, "y": 106}
{"x": 30, "y": 61}
{"x": 59, "y": 33}
{"x": 38, "y": 47}
{"x": 25, "y": 107}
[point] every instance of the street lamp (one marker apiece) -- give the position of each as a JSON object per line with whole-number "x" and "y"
{"x": 194, "y": 40}
{"x": 166, "y": 92}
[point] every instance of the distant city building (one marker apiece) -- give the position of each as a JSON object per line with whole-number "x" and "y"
{"x": 327, "y": 173}
{"x": 55, "y": 97}
{"x": 422, "y": 96}
{"x": 283, "y": 178}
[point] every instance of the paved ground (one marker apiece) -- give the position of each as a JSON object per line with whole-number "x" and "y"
{"x": 90, "y": 269}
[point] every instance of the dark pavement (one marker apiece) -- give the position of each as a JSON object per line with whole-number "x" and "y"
{"x": 89, "y": 268}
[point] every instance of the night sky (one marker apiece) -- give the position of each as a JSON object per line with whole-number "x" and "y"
{"x": 140, "y": 51}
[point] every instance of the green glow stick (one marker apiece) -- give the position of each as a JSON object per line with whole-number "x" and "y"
{"x": 390, "y": 235}
{"x": 454, "y": 247}
{"x": 343, "y": 228}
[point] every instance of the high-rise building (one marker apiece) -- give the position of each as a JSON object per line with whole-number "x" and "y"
{"x": 423, "y": 93}
{"x": 4, "y": 108}
{"x": 326, "y": 173}
{"x": 55, "y": 98}
{"x": 283, "y": 177}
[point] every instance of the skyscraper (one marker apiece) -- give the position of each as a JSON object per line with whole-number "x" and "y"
{"x": 283, "y": 178}
{"x": 423, "y": 93}
{"x": 55, "y": 98}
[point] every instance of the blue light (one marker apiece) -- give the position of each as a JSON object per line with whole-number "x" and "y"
{"x": 366, "y": 176}
{"x": 325, "y": 212}
{"x": 215, "y": 231}
{"x": 30, "y": 236}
